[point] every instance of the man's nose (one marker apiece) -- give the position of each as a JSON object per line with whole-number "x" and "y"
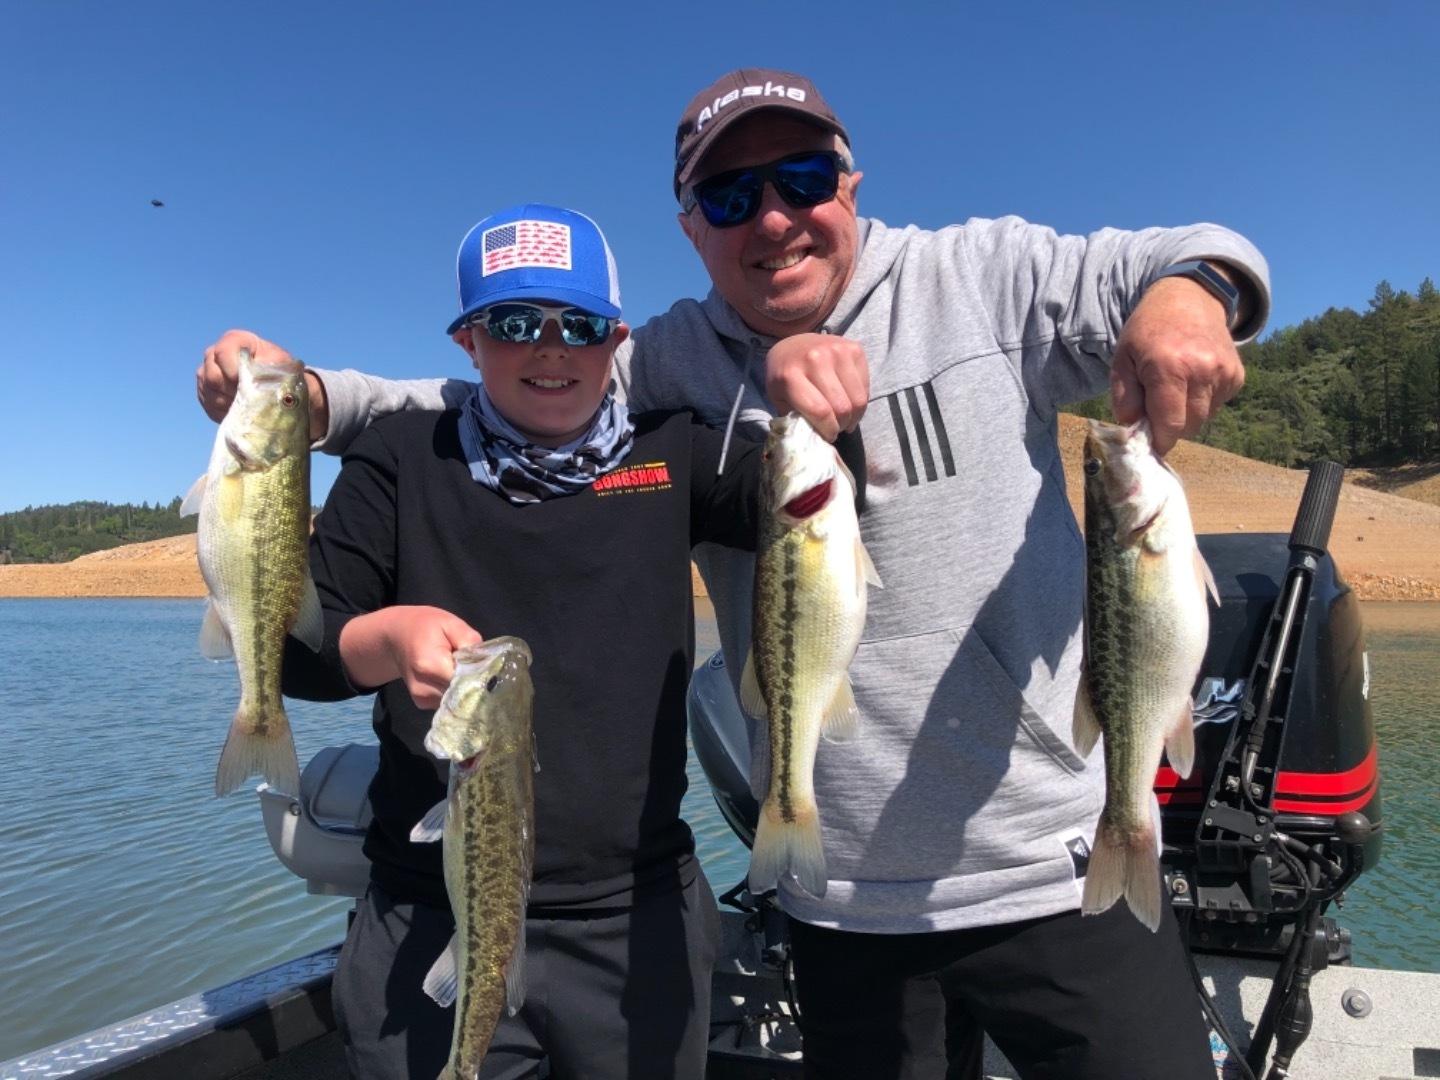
{"x": 776, "y": 216}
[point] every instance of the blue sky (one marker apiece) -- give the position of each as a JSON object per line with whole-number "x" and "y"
{"x": 319, "y": 163}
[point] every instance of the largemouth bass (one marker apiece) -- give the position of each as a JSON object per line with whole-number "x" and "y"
{"x": 486, "y": 823}
{"x": 252, "y": 541}
{"x": 1146, "y": 627}
{"x": 811, "y": 572}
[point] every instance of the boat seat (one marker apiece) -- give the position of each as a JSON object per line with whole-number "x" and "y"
{"x": 319, "y": 836}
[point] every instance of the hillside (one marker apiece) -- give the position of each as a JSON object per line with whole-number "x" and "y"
{"x": 1387, "y": 545}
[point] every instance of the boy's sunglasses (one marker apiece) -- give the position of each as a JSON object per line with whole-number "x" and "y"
{"x": 517, "y": 324}
{"x": 733, "y": 198}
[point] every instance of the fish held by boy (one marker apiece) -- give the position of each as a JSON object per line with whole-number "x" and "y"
{"x": 1146, "y": 628}
{"x": 252, "y": 543}
{"x": 811, "y": 573}
{"x": 483, "y": 728}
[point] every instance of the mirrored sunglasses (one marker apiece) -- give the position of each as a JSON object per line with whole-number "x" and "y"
{"x": 733, "y": 198}
{"x": 517, "y": 324}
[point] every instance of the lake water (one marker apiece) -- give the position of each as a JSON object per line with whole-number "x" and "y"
{"x": 127, "y": 884}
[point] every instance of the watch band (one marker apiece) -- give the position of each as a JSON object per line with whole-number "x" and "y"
{"x": 1201, "y": 271}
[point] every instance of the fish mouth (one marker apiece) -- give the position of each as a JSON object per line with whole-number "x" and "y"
{"x": 810, "y": 502}
{"x": 1144, "y": 526}
{"x": 248, "y": 461}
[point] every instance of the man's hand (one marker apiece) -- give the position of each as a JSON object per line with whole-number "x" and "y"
{"x": 1175, "y": 362}
{"x": 413, "y": 643}
{"x": 824, "y": 378}
{"x": 219, "y": 374}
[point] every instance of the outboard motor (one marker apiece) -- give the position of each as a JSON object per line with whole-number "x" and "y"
{"x": 1282, "y": 810}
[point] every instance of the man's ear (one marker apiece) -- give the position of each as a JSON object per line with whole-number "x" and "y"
{"x": 688, "y": 228}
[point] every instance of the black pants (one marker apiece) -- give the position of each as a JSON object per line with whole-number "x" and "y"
{"x": 621, "y": 995}
{"x": 1069, "y": 996}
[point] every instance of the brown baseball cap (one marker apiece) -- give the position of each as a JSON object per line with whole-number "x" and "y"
{"x": 737, "y": 95}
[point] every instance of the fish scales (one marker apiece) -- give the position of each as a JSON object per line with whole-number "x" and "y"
{"x": 252, "y": 542}
{"x": 1146, "y": 628}
{"x": 486, "y": 823}
{"x": 491, "y": 856}
{"x": 811, "y": 572}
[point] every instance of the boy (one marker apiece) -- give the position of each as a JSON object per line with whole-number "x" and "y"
{"x": 544, "y": 510}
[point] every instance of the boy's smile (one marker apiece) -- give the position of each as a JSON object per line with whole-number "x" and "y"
{"x": 546, "y": 390}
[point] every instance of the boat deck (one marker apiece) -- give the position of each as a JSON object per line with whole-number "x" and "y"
{"x": 1370, "y": 1024}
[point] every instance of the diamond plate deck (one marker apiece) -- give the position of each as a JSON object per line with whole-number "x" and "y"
{"x": 177, "y": 1021}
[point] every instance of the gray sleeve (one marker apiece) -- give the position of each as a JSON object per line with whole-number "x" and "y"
{"x": 357, "y": 400}
{"x": 624, "y": 384}
{"x": 1059, "y": 302}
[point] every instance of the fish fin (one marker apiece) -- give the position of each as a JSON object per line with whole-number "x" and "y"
{"x": 248, "y": 753}
{"x": 868, "y": 573}
{"x": 310, "y": 621}
{"x": 432, "y": 826}
{"x": 1180, "y": 741}
{"x": 515, "y": 975}
{"x": 215, "y": 643}
{"x": 751, "y": 699}
{"x": 1084, "y": 727}
{"x": 841, "y": 722}
{"x": 1202, "y": 572}
{"x": 195, "y": 497}
{"x": 788, "y": 845}
{"x": 442, "y": 983}
{"x": 1131, "y": 870}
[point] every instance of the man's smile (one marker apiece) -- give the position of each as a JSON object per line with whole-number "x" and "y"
{"x": 783, "y": 262}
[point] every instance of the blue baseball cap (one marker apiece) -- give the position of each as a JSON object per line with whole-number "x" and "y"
{"x": 536, "y": 252}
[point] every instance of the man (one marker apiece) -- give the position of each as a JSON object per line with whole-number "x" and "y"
{"x": 952, "y": 903}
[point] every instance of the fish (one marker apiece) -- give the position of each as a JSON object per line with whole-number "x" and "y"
{"x": 811, "y": 578}
{"x": 252, "y": 541}
{"x": 1146, "y": 627}
{"x": 486, "y": 824}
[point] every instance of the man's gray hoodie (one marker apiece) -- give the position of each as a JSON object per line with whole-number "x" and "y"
{"x": 954, "y": 806}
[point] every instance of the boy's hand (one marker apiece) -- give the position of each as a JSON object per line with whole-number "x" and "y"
{"x": 219, "y": 374}
{"x": 824, "y": 378}
{"x": 413, "y": 643}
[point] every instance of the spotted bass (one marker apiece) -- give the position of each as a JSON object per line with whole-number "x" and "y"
{"x": 487, "y": 825}
{"x": 252, "y": 540}
{"x": 1146, "y": 628}
{"x": 811, "y": 573}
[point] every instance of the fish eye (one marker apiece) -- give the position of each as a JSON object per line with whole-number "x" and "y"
{"x": 494, "y": 682}
{"x": 1092, "y": 466}
{"x": 289, "y": 400}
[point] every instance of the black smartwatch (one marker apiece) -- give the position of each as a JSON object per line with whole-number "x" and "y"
{"x": 1212, "y": 279}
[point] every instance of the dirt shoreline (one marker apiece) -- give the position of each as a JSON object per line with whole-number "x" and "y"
{"x": 1387, "y": 546}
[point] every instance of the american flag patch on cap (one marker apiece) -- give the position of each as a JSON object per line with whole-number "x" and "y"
{"x": 524, "y": 244}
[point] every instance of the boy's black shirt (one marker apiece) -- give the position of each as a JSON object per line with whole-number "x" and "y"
{"x": 597, "y": 583}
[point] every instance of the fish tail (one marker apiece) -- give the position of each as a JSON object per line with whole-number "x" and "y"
{"x": 259, "y": 745}
{"x": 792, "y": 845}
{"x": 1128, "y": 866}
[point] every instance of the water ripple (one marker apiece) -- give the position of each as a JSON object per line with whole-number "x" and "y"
{"x": 139, "y": 886}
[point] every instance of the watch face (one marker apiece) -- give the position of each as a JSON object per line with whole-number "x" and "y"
{"x": 1204, "y": 274}
{"x": 1215, "y": 278}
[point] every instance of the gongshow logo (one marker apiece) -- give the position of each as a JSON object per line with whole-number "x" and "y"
{"x": 654, "y": 476}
